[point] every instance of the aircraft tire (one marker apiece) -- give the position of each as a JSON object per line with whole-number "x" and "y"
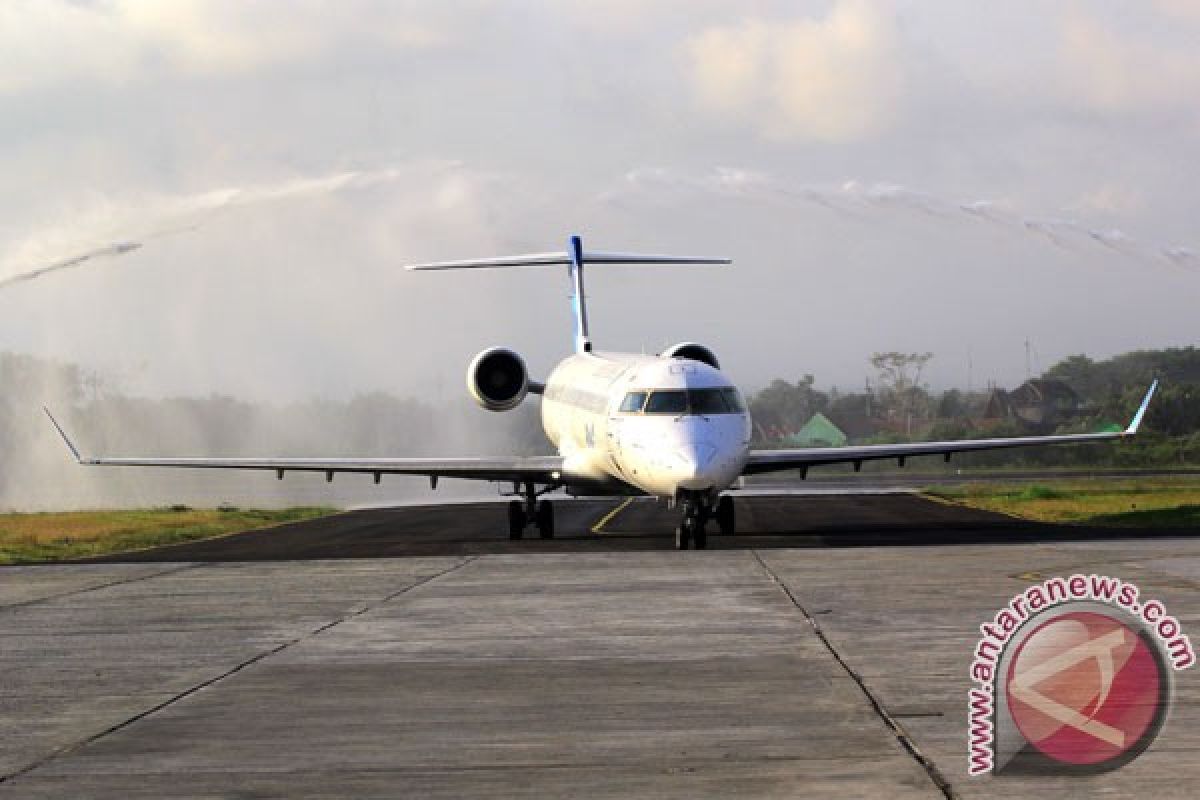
{"x": 699, "y": 536}
{"x": 545, "y": 519}
{"x": 683, "y": 536}
{"x": 726, "y": 520}
{"x": 516, "y": 520}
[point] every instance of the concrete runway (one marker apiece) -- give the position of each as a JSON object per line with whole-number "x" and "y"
{"x": 822, "y": 653}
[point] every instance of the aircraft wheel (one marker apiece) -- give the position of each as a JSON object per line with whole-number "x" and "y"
{"x": 683, "y": 536}
{"x": 725, "y": 516}
{"x": 516, "y": 520}
{"x": 699, "y": 536}
{"x": 545, "y": 519}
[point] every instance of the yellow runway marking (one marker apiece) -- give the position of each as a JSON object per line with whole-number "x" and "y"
{"x": 609, "y": 516}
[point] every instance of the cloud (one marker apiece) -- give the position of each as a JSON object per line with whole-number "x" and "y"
{"x": 49, "y": 42}
{"x": 831, "y": 79}
{"x": 1127, "y": 71}
{"x": 55, "y": 247}
{"x": 1112, "y": 199}
{"x": 1187, "y": 10}
{"x": 866, "y": 201}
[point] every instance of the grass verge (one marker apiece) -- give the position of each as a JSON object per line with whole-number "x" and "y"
{"x": 60, "y": 536}
{"x": 1134, "y": 503}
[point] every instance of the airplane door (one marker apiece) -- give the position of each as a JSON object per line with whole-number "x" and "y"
{"x": 613, "y": 435}
{"x": 613, "y": 432}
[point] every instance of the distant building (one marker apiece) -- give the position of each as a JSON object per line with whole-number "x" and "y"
{"x": 819, "y": 431}
{"x": 857, "y": 426}
{"x": 1042, "y": 405}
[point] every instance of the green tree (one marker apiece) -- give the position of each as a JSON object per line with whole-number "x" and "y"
{"x": 785, "y": 406}
{"x": 900, "y": 387}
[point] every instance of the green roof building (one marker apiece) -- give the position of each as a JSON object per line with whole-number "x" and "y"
{"x": 817, "y": 432}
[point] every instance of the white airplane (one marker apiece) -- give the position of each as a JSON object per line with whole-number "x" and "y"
{"x": 669, "y": 426}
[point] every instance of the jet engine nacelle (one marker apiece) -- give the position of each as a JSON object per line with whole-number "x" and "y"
{"x": 497, "y": 379}
{"x": 694, "y": 351}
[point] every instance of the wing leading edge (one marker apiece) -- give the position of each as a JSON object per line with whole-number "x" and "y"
{"x": 540, "y": 469}
{"x": 761, "y": 461}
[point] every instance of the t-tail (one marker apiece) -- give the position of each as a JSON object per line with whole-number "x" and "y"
{"x": 574, "y": 258}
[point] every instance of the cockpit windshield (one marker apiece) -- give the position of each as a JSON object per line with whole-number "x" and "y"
{"x": 684, "y": 401}
{"x": 707, "y": 401}
{"x": 670, "y": 401}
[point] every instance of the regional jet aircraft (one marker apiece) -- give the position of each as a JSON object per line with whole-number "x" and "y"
{"x": 671, "y": 426}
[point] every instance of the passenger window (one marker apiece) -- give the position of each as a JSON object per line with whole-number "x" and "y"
{"x": 667, "y": 402}
{"x": 633, "y": 402}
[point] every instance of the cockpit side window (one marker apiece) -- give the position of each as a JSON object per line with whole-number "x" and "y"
{"x": 633, "y": 402}
{"x": 668, "y": 401}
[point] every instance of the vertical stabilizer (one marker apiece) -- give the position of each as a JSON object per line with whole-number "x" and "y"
{"x": 578, "y": 301}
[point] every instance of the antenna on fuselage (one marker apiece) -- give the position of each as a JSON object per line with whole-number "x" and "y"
{"x": 574, "y": 258}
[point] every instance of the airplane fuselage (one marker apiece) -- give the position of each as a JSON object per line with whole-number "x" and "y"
{"x": 662, "y": 425}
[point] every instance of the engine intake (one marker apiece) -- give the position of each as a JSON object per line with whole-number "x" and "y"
{"x": 694, "y": 351}
{"x": 497, "y": 379}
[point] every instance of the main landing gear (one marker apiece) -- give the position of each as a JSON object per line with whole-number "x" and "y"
{"x": 698, "y": 509}
{"x": 531, "y": 511}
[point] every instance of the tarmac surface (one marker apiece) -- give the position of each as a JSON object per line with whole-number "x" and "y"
{"x": 416, "y": 652}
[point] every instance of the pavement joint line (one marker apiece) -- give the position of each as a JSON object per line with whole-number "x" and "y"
{"x": 97, "y": 587}
{"x": 611, "y": 515}
{"x": 906, "y": 741}
{"x": 358, "y": 611}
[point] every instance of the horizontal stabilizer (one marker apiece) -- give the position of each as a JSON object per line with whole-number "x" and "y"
{"x": 649, "y": 258}
{"x": 530, "y": 260}
{"x": 564, "y": 258}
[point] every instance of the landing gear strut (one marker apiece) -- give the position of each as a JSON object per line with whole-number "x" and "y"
{"x": 531, "y": 511}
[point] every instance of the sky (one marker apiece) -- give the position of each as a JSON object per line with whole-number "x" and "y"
{"x": 218, "y": 197}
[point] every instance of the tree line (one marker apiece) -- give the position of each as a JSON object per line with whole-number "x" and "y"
{"x": 898, "y": 407}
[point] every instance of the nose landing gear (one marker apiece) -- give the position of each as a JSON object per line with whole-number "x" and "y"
{"x": 690, "y": 532}
{"x": 698, "y": 509}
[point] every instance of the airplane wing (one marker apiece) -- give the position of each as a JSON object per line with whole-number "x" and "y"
{"x": 540, "y": 469}
{"x": 761, "y": 461}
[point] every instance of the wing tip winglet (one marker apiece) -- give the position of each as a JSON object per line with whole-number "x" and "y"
{"x": 66, "y": 439}
{"x": 1136, "y": 422}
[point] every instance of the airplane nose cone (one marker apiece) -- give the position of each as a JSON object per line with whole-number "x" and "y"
{"x": 692, "y": 466}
